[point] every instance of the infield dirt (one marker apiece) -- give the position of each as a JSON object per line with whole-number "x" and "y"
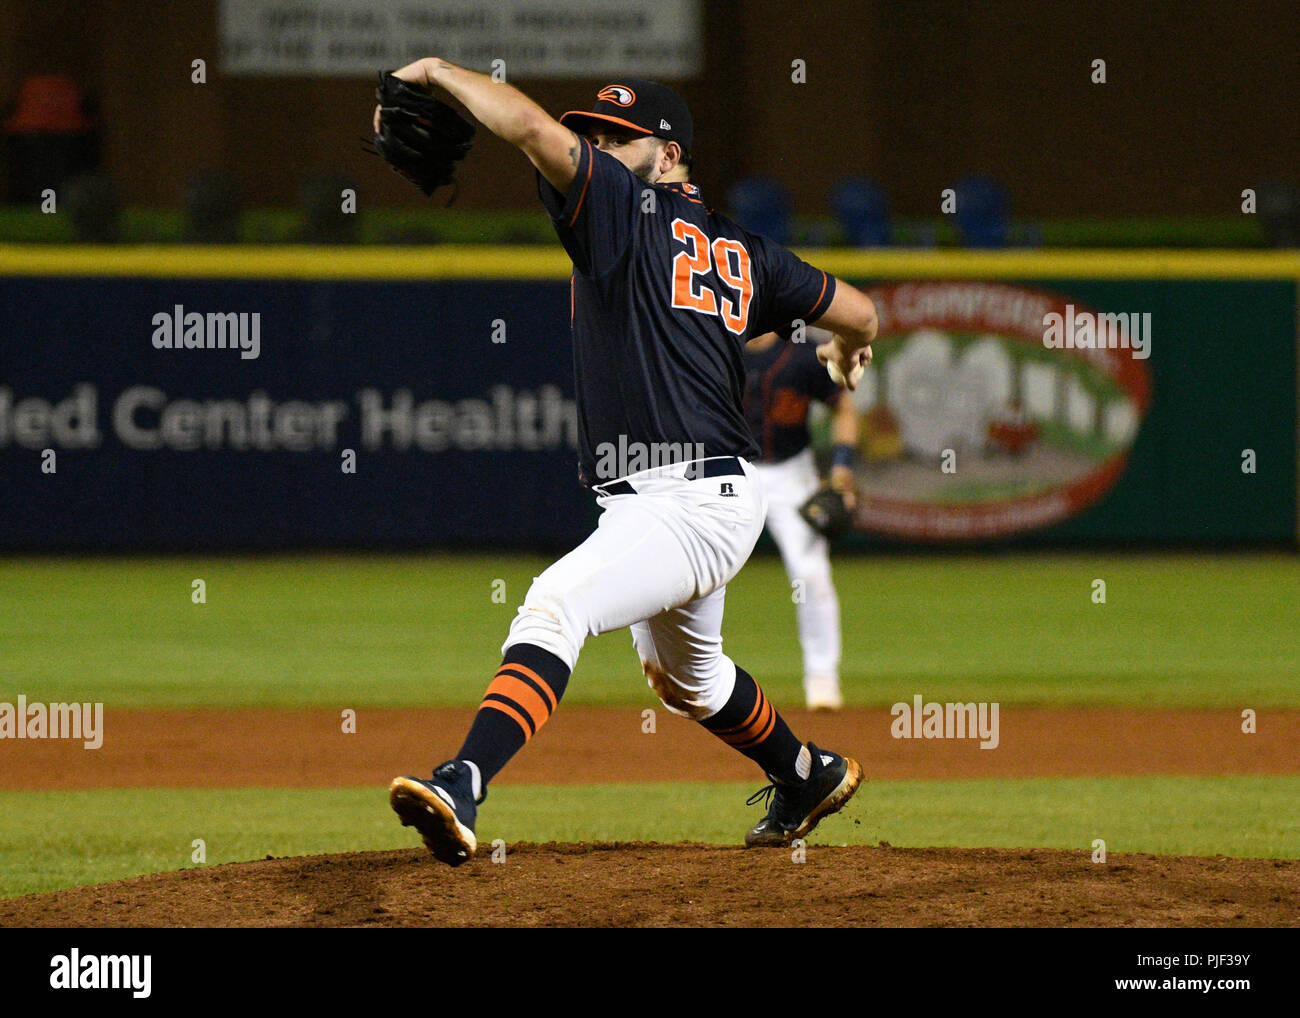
{"x": 637, "y": 884}
{"x": 583, "y": 745}
{"x": 608, "y": 885}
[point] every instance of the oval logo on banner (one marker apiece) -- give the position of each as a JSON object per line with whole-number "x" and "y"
{"x": 972, "y": 427}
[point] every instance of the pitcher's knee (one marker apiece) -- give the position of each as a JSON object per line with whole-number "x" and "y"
{"x": 546, "y": 621}
{"x": 691, "y": 692}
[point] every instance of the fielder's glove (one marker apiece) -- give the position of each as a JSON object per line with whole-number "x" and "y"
{"x": 420, "y": 137}
{"x": 826, "y": 513}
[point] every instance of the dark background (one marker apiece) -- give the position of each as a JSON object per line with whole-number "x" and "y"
{"x": 1198, "y": 104}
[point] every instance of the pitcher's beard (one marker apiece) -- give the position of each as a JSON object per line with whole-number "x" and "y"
{"x": 645, "y": 169}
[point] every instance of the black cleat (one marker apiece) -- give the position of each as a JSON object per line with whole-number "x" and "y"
{"x": 442, "y": 809}
{"x": 795, "y": 810}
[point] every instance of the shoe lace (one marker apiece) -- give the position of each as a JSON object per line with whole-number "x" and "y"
{"x": 763, "y": 794}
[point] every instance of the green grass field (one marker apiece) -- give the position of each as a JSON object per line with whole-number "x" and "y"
{"x": 1175, "y": 631}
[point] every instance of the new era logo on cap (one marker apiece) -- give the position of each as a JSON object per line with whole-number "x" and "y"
{"x": 665, "y": 126}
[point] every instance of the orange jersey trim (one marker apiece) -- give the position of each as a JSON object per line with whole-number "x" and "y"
{"x": 825, "y": 281}
{"x": 582, "y": 196}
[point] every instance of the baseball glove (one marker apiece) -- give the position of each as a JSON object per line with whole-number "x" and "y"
{"x": 420, "y": 137}
{"x": 826, "y": 512}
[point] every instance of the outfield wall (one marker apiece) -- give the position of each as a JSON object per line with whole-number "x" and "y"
{"x": 423, "y": 397}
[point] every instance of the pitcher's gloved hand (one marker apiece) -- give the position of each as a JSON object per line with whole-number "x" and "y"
{"x": 420, "y": 137}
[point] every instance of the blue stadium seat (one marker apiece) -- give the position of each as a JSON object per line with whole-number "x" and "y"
{"x": 983, "y": 212}
{"x": 762, "y": 205}
{"x": 862, "y": 210}
{"x": 1279, "y": 212}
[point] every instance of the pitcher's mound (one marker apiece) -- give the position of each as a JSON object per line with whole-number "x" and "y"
{"x": 636, "y": 884}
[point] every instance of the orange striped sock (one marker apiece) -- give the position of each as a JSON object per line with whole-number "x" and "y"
{"x": 521, "y": 698}
{"x": 749, "y": 723}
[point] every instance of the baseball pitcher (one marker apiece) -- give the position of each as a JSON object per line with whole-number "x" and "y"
{"x": 665, "y": 293}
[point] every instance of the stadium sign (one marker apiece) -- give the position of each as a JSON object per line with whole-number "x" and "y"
{"x": 982, "y": 418}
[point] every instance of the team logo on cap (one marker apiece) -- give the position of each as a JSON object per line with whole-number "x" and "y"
{"x": 620, "y": 95}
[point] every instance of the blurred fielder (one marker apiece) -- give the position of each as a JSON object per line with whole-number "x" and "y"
{"x": 782, "y": 379}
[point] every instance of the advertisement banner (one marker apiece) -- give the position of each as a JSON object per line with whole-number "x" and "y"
{"x": 1144, "y": 410}
{"x": 312, "y": 410}
{"x": 517, "y": 38}
{"x": 372, "y": 415}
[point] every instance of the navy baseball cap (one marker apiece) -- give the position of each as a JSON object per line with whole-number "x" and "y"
{"x": 641, "y": 105}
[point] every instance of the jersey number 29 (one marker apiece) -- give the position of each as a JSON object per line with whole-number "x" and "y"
{"x": 731, "y": 261}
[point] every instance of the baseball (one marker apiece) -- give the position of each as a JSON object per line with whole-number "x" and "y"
{"x": 837, "y": 376}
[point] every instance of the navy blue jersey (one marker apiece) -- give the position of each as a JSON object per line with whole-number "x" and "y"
{"x": 780, "y": 384}
{"x": 665, "y": 294}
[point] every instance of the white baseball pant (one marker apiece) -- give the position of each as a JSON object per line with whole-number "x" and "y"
{"x": 659, "y": 562}
{"x": 806, "y": 555}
